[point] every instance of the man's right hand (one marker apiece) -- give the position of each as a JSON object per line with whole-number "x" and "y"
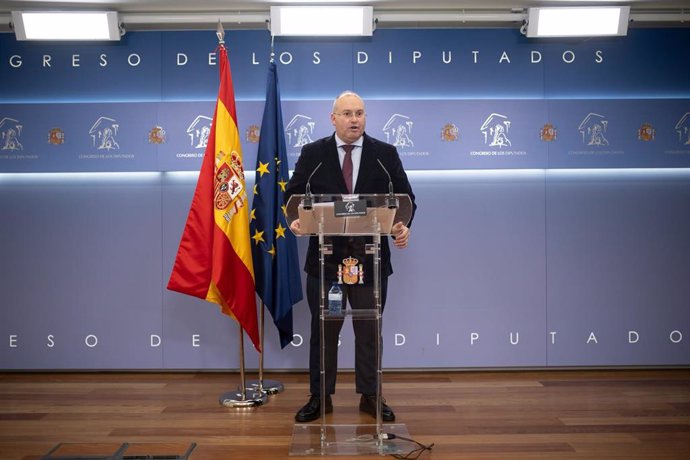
{"x": 295, "y": 227}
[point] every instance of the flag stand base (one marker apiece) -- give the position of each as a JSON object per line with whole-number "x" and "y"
{"x": 239, "y": 399}
{"x": 269, "y": 387}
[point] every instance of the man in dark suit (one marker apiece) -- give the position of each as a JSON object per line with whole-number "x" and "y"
{"x": 349, "y": 163}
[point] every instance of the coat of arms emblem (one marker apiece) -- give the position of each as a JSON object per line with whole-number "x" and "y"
{"x": 547, "y": 133}
{"x": 56, "y": 136}
{"x": 228, "y": 184}
{"x": 449, "y": 133}
{"x": 646, "y": 132}
{"x": 252, "y": 134}
{"x": 157, "y": 135}
{"x": 350, "y": 272}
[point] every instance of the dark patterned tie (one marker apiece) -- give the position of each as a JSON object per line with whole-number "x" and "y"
{"x": 347, "y": 166}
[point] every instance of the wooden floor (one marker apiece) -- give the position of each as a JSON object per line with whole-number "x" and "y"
{"x": 619, "y": 414}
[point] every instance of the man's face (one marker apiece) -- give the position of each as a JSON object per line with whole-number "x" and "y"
{"x": 349, "y": 118}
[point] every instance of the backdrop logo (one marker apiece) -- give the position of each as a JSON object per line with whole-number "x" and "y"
{"x": 683, "y": 129}
{"x": 450, "y": 133}
{"x": 10, "y": 132}
{"x": 593, "y": 128}
{"x": 495, "y": 130}
{"x": 548, "y": 133}
{"x": 104, "y": 134}
{"x": 398, "y": 130}
{"x": 157, "y": 135}
{"x": 298, "y": 132}
{"x": 56, "y": 136}
{"x": 199, "y": 131}
{"x": 646, "y": 132}
{"x": 252, "y": 134}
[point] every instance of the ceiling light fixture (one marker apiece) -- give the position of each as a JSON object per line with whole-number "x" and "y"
{"x": 322, "y": 21}
{"x": 66, "y": 25}
{"x": 595, "y": 21}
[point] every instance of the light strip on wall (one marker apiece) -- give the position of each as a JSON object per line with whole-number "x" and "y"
{"x": 84, "y": 177}
{"x": 322, "y": 21}
{"x": 66, "y": 25}
{"x": 578, "y": 21}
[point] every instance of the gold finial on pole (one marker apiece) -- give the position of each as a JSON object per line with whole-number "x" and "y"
{"x": 273, "y": 51}
{"x": 220, "y": 33}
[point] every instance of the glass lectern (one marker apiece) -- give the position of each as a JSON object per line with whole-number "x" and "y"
{"x": 325, "y": 216}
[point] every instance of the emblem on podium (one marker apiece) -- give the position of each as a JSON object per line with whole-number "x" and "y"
{"x": 350, "y": 272}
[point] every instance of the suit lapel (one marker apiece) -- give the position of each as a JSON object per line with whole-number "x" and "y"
{"x": 367, "y": 166}
{"x": 332, "y": 163}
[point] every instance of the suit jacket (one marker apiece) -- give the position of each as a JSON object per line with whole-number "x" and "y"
{"x": 328, "y": 179}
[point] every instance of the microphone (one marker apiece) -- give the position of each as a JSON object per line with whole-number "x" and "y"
{"x": 391, "y": 200}
{"x": 308, "y": 201}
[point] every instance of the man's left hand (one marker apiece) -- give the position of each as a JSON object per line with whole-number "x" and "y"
{"x": 401, "y": 235}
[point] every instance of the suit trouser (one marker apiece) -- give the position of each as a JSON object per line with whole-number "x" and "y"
{"x": 366, "y": 365}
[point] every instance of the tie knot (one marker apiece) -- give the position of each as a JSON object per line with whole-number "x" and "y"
{"x": 348, "y": 148}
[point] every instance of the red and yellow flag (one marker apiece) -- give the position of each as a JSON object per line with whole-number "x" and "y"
{"x": 214, "y": 260}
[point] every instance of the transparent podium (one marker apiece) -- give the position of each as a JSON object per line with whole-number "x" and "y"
{"x": 324, "y": 217}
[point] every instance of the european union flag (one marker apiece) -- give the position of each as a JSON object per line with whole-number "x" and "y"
{"x": 274, "y": 247}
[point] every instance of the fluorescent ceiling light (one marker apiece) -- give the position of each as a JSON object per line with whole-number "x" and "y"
{"x": 578, "y": 21}
{"x": 322, "y": 21}
{"x": 66, "y": 25}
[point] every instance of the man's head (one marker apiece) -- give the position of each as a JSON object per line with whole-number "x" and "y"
{"x": 348, "y": 116}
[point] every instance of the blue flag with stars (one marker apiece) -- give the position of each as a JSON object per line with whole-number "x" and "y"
{"x": 274, "y": 247}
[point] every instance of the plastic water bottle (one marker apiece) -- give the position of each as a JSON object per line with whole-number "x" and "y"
{"x": 335, "y": 300}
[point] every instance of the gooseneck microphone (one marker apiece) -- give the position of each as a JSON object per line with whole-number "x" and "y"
{"x": 308, "y": 201}
{"x": 391, "y": 200}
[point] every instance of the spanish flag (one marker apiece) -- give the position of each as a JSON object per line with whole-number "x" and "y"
{"x": 214, "y": 260}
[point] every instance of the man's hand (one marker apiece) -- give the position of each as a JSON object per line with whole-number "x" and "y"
{"x": 295, "y": 227}
{"x": 401, "y": 235}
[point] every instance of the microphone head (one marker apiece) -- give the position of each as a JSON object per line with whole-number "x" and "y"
{"x": 392, "y": 202}
{"x": 307, "y": 202}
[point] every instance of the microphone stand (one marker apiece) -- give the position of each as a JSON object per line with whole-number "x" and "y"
{"x": 391, "y": 200}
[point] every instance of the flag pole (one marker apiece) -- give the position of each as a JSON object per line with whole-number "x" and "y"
{"x": 239, "y": 398}
{"x": 270, "y": 387}
{"x": 267, "y": 386}
{"x": 242, "y": 398}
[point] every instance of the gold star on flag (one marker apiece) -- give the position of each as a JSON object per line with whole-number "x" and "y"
{"x": 263, "y": 169}
{"x": 280, "y": 231}
{"x": 272, "y": 251}
{"x": 252, "y": 215}
{"x": 258, "y": 236}
{"x": 282, "y": 184}
{"x": 256, "y": 190}
{"x": 284, "y": 208}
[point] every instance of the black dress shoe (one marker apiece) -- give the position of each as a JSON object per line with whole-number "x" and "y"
{"x": 367, "y": 404}
{"x": 312, "y": 409}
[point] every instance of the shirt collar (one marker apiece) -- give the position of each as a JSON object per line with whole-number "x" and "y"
{"x": 339, "y": 142}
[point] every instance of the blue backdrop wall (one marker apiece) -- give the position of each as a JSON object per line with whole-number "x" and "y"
{"x": 552, "y": 178}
